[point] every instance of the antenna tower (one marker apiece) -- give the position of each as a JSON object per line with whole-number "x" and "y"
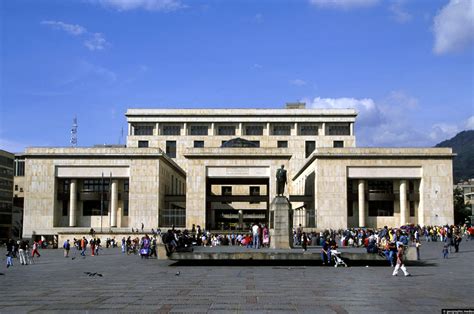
{"x": 74, "y": 132}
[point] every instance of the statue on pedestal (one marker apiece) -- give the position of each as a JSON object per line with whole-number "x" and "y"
{"x": 281, "y": 180}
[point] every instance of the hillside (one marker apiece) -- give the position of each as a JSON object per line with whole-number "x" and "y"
{"x": 463, "y": 145}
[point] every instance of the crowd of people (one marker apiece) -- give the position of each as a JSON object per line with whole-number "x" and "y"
{"x": 22, "y": 250}
{"x": 387, "y": 242}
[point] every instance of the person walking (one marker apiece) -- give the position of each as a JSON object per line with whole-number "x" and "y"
{"x": 66, "y": 247}
{"x": 400, "y": 264}
{"x": 304, "y": 241}
{"x": 35, "y": 249}
{"x": 22, "y": 251}
{"x": 325, "y": 252}
{"x": 417, "y": 246}
{"x": 83, "y": 246}
{"x": 10, "y": 246}
{"x": 92, "y": 244}
{"x": 445, "y": 251}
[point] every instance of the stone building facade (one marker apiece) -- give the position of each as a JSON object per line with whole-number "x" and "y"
{"x": 216, "y": 168}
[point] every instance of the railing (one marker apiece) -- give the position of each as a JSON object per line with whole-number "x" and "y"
{"x": 172, "y": 217}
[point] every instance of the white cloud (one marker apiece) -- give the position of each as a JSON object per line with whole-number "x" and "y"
{"x": 399, "y": 14}
{"x": 391, "y": 121}
{"x": 343, "y": 4}
{"x": 93, "y": 41}
{"x": 454, "y": 26}
{"x": 470, "y": 123}
{"x": 298, "y": 82}
{"x": 368, "y": 113}
{"x": 96, "y": 42}
{"x": 73, "y": 29}
{"x": 149, "y": 5}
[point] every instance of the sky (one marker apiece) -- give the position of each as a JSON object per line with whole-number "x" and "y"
{"x": 406, "y": 66}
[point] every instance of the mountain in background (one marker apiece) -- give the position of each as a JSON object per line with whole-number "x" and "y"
{"x": 463, "y": 164}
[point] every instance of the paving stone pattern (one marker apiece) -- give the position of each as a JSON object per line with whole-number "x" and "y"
{"x": 130, "y": 284}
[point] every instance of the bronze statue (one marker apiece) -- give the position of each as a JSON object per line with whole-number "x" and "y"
{"x": 281, "y": 180}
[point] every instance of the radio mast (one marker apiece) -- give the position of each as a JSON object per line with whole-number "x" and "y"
{"x": 74, "y": 132}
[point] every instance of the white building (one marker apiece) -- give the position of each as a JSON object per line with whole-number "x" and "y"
{"x": 216, "y": 168}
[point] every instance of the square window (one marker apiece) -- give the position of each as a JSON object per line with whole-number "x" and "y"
{"x": 198, "y": 144}
{"x": 142, "y": 144}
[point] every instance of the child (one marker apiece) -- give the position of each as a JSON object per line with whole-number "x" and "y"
{"x": 445, "y": 251}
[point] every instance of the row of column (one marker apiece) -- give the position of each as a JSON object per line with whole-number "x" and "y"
{"x": 403, "y": 202}
{"x": 73, "y": 203}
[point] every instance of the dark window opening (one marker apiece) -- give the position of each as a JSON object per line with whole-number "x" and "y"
{"x": 281, "y": 130}
{"x": 171, "y": 149}
{"x": 381, "y": 208}
{"x": 65, "y": 207}
{"x": 171, "y": 130}
{"x": 125, "y": 208}
{"x": 339, "y": 129}
{"x": 282, "y": 144}
{"x": 309, "y": 130}
{"x": 254, "y": 130}
{"x": 93, "y": 208}
{"x": 380, "y": 186}
{"x": 310, "y": 146}
{"x": 254, "y": 191}
{"x": 198, "y": 144}
{"x": 412, "y": 209}
{"x": 338, "y": 144}
{"x": 198, "y": 130}
{"x": 226, "y": 130}
{"x": 142, "y": 144}
{"x": 143, "y": 130}
{"x": 257, "y": 143}
{"x": 95, "y": 185}
{"x": 226, "y": 191}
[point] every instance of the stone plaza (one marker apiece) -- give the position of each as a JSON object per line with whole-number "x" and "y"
{"x": 131, "y": 284}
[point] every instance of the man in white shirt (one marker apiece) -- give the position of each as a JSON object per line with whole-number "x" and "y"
{"x": 255, "y": 237}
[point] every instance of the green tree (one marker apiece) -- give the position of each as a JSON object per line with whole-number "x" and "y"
{"x": 461, "y": 208}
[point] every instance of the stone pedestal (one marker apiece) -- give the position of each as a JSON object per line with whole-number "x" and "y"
{"x": 281, "y": 223}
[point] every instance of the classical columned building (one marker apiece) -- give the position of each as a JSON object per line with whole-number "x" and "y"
{"x": 216, "y": 168}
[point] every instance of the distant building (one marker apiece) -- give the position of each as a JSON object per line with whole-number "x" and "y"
{"x": 216, "y": 168}
{"x": 467, "y": 188}
{"x": 6, "y": 194}
{"x": 18, "y": 195}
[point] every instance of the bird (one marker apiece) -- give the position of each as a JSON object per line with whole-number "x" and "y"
{"x": 178, "y": 273}
{"x": 73, "y": 258}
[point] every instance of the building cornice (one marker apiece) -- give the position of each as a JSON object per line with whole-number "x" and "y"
{"x": 100, "y": 153}
{"x": 240, "y": 112}
{"x": 376, "y": 153}
{"x": 237, "y": 153}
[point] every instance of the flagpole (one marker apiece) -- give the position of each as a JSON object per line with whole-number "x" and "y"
{"x": 110, "y": 201}
{"x": 101, "y": 201}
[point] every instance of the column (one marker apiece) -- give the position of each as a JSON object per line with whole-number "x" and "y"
{"x": 72, "y": 203}
{"x": 113, "y": 203}
{"x": 323, "y": 129}
{"x": 403, "y": 202}
{"x": 362, "y": 210}
{"x": 421, "y": 210}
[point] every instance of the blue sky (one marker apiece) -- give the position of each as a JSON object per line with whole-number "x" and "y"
{"x": 406, "y": 66}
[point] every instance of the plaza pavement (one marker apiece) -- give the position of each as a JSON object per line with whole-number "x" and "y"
{"x": 130, "y": 284}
